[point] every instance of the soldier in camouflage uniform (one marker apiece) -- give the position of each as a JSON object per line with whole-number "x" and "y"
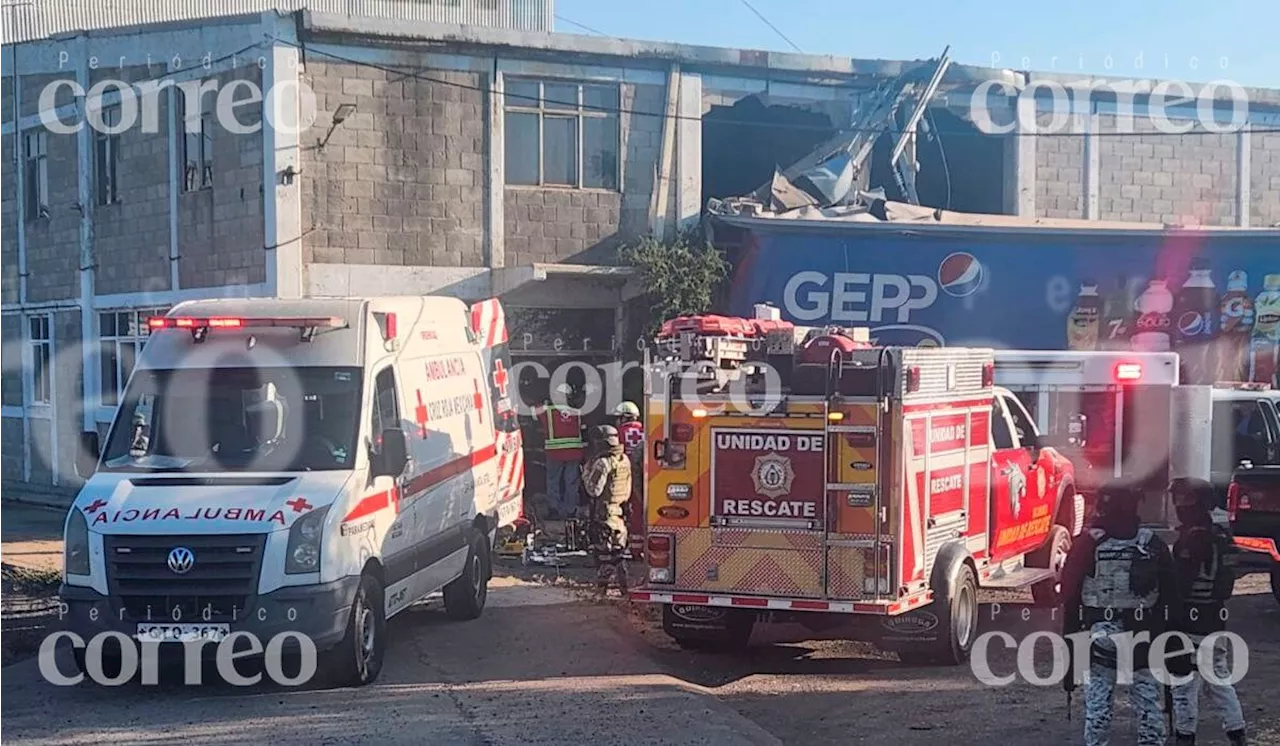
{"x": 1118, "y": 579}
{"x": 607, "y": 480}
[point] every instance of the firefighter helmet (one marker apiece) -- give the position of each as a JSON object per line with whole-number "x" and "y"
{"x": 627, "y": 409}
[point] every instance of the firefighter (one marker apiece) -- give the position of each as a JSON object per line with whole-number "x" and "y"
{"x": 1204, "y": 559}
{"x": 1118, "y": 578}
{"x": 607, "y": 481}
{"x": 562, "y": 424}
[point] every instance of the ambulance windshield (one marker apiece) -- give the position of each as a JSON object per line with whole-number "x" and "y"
{"x": 237, "y": 419}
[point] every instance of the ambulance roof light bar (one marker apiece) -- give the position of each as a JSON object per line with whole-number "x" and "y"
{"x": 200, "y": 326}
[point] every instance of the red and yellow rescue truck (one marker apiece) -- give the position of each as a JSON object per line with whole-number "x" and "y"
{"x": 805, "y": 476}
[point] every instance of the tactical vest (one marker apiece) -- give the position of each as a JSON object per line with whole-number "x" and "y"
{"x": 564, "y": 428}
{"x": 1214, "y": 579}
{"x": 1125, "y": 573}
{"x": 619, "y": 489}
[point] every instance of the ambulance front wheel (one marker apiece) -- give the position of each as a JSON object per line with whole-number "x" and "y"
{"x": 465, "y": 597}
{"x": 357, "y": 660}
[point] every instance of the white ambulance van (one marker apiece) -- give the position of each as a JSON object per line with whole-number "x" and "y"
{"x": 311, "y": 465}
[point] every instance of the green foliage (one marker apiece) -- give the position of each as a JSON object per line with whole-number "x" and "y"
{"x": 680, "y": 277}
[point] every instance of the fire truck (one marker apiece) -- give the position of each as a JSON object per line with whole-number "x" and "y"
{"x": 802, "y": 475}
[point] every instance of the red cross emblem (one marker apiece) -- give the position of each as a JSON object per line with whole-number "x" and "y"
{"x": 94, "y": 506}
{"x": 500, "y": 378}
{"x": 420, "y": 415}
{"x": 479, "y": 400}
{"x": 298, "y": 504}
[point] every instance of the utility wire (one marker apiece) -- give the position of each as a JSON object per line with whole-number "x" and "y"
{"x": 582, "y": 26}
{"x": 419, "y": 75}
{"x": 776, "y": 30}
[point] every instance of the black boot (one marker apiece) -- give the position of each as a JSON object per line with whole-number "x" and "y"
{"x": 1236, "y": 737}
{"x": 1184, "y": 739}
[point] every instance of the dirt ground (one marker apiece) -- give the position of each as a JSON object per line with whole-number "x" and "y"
{"x": 552, "y": 663}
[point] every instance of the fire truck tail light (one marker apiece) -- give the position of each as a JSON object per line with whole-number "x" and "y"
{"x": 1233, "y": 501}
{"x": 835, "y": 416}
{"x": 682, "y": 432}
{"x": 699, "y": 413}
{"x": 988, "y": 375}
{"x": 913, "y": 379}
{"x": 659, "y": 550}
{"x": 679, "y": 491}
{"x": 1128, "y": 372}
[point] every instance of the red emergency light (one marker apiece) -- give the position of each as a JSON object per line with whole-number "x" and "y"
{"x": 200, "y": 326}
{"x": 1128, "y": 372}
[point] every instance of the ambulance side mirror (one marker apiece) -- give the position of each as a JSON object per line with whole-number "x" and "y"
{"x": 393, "y": 455}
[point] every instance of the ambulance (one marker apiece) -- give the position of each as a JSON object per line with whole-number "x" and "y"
{"x": 312, "y": 465}
{"x": 802, "y": 476}
{"x": 1126, "y": 418}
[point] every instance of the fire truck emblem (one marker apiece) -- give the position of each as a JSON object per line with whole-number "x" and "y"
{"x": 773, "y": 475}
{"x": 1017, "y": 487}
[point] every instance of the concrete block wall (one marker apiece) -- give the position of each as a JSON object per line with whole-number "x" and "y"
{"x": 1264, "y": 178}
{"x": 9, "y": 220}
{"x": 586, "y": 225}
{"x": 1140, "y": 174}
{"x": 220, "y": 229}
{"x": 1166, "y": 178}
{"x": 402, "y": 180}
{"x": 1059, "y": 173}
{"x": 53, "y": 243}
{"x": 131, "y": 237}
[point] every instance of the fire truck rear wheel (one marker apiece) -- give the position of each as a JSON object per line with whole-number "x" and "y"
{"x": 1054, "y": 555}
{"x": 734, "y": 637}
{"x": 465, "y": 597}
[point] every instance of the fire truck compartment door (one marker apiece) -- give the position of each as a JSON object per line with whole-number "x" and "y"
{"x": 768, "y": 514}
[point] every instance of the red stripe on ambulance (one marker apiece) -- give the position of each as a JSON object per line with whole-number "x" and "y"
{"x": 371, "y": 504}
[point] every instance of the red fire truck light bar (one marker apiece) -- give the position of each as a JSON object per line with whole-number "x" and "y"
{"x": 304, "y": 322}
{"x": 1128, "y": 372}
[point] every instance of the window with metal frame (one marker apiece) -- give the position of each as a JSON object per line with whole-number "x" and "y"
{"x": 560, "y": 133}
{"x": 10, "y": 361}
{"x": 121, "y": 336}
{"x": 197, "y": 142}
{"x": 106, "y": 158}
{"x": 40, "y": 340}
{"x": 35, "y": 148}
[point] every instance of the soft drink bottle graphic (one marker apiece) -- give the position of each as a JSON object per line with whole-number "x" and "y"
{"x": 1151, "y": 330}
{"x": 1194, "y": 326}
{"x": 1117, "y": 317}
{"x": 1082, "y": 323}
{"x": 1235, "y": 326}
{"x": 1265, "y": 342}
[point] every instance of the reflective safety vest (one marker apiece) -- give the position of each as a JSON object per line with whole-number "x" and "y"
{"x": 564, "y": 428}
{"x": 1125, "y": 573}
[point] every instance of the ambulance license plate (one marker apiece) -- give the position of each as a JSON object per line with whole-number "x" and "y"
{"x": 183, "y": 632}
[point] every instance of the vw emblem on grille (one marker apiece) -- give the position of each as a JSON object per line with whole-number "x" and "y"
{"x": 180, "y": 560}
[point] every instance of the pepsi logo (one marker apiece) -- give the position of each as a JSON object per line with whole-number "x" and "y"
{"x": 960, "y": 274}
{"x": 1193, "y": 323}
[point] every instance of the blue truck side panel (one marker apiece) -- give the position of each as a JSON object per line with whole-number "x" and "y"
{"x": 974, "y": 287}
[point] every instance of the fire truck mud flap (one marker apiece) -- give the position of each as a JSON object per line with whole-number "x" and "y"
{"x": 708, "y": 627}
{"x": 942, "y": 632}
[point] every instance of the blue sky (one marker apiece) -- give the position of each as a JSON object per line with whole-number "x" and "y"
{"x": 1186, "y": 40}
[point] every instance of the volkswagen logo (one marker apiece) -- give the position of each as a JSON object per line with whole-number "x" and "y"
{"x": 180, "y": 560}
